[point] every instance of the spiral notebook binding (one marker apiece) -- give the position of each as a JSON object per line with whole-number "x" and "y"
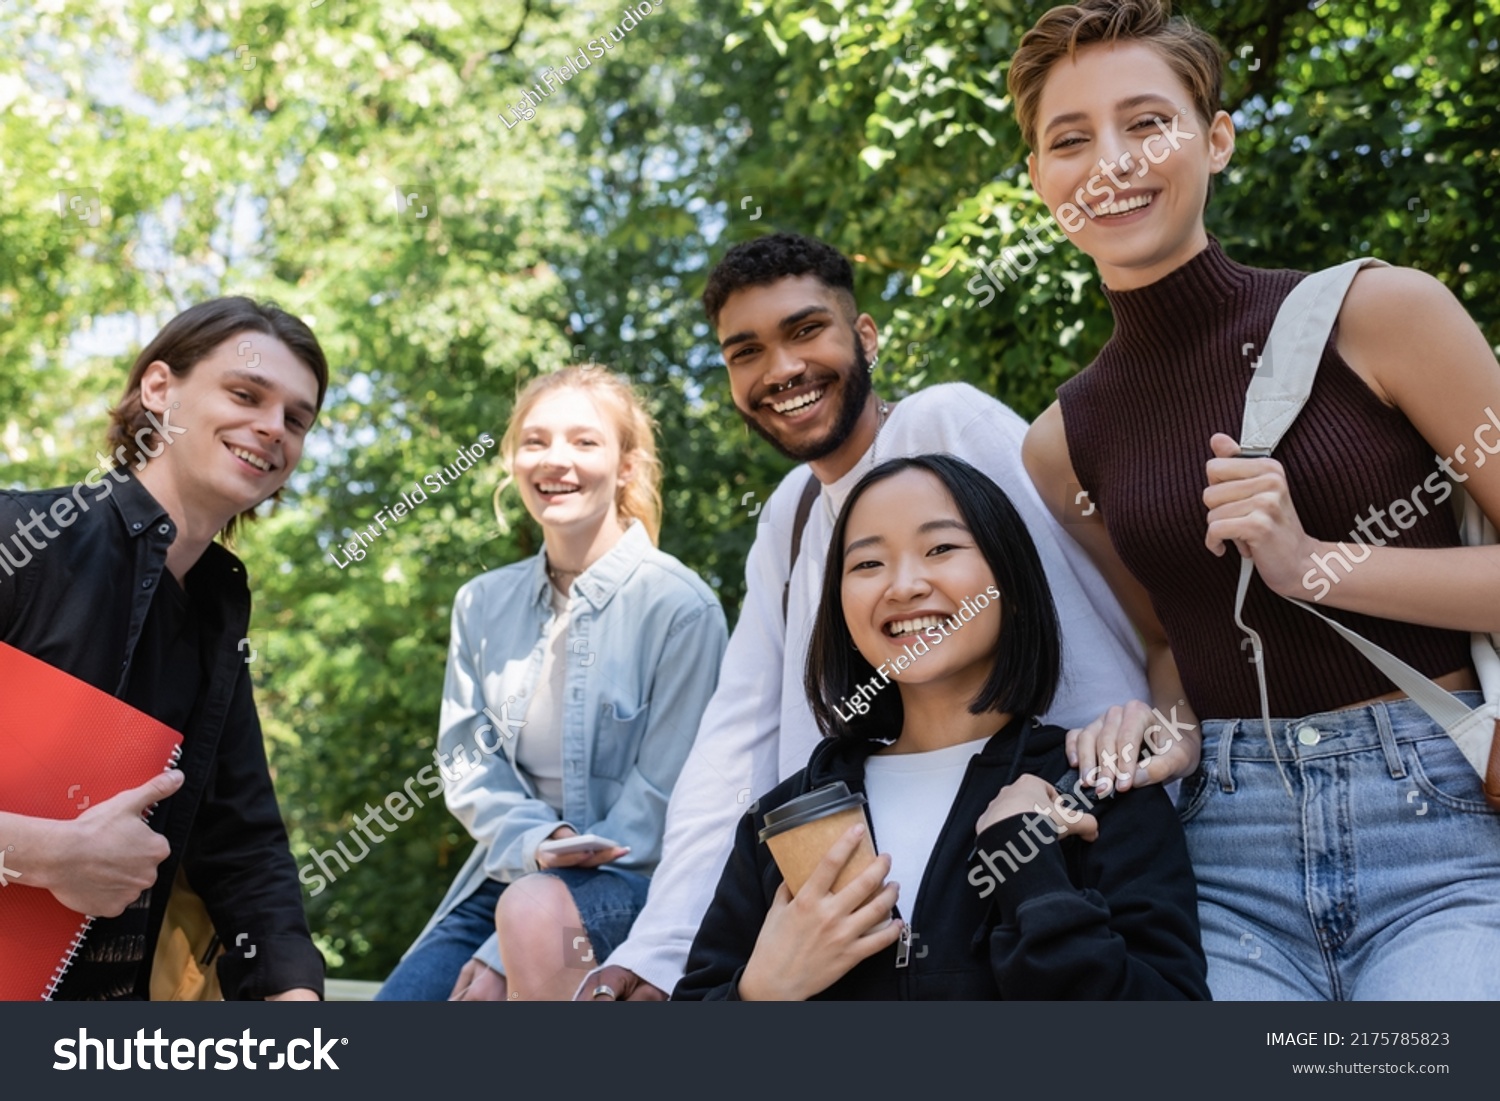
{"x": 88, "y": 922}
{"x": 168, "y": 767}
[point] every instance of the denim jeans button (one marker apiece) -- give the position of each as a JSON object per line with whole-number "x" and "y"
{"x": 1308, "y": 736}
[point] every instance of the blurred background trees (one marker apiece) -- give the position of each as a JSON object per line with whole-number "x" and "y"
{"x": 363, "y": 166}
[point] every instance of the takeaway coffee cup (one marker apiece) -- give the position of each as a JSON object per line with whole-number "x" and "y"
{"x": 801, "y": 832}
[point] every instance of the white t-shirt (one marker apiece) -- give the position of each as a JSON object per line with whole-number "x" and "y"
{"x": 758, "y": 728}
{"x": 910, "y": 795}
{"x": 539, "y": 746}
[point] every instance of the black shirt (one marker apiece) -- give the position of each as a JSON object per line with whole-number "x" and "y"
{"x": 168, "y": 665}
{"x": 88, "y": 603}
{"x": 165, "y": 676}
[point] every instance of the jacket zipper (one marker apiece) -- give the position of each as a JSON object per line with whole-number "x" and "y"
{"x": 903, "y": 946}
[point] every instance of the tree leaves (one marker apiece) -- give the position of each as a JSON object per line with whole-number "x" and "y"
{"x": 369, "y": 168}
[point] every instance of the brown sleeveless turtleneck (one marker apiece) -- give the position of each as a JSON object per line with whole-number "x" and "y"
{"x": 1138, "y": 421}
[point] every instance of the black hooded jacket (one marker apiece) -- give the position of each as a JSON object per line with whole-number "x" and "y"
{"x": 1071, "y": 919}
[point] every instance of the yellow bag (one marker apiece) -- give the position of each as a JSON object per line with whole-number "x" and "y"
{"x": 183, "y": 969}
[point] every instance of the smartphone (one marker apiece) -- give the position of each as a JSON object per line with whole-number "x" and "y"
{"x": 584, "y": 843}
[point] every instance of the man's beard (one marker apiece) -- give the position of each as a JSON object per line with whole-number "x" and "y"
{"x": 856, "y": 390}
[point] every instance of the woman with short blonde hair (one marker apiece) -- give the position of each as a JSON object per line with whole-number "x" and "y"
{"x": 1317, "y": 879}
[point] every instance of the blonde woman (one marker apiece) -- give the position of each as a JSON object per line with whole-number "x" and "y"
{"x": 575, "y": 682}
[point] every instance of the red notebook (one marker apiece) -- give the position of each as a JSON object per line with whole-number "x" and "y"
{"x": 64, "y": 746}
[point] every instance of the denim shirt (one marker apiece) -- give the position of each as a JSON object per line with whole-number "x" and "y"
{"x": 643, "y": 649}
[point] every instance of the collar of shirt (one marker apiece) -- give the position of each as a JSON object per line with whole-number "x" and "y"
{"x": 844, "y": 758}
{"x": 599, "y": 583}
{"x": 140, "y": 514}
{"x": 139, "y": 511}
{"x": 835, "y": 493}
{"x": 218, "y": 574}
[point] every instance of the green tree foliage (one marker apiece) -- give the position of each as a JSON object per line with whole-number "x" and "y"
{"x": 368, "y": 168}
{"x": 1363, "y": 128}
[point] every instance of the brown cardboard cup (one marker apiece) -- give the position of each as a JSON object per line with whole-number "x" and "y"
{"x": 801, "y": 832}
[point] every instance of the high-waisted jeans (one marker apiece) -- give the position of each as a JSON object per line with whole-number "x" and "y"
{"x": 1377, "y": 879}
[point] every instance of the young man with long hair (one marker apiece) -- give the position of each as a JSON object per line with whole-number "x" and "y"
{"x": 118, "y": 581}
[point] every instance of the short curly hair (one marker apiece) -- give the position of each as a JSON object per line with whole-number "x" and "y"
{"x": 776, "y": 256}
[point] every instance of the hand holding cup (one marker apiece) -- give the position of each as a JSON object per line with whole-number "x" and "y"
{"x": 809, "y": 942}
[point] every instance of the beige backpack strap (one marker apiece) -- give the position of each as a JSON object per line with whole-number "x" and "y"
{"x": 1277, "y": 393}
{"x": 1279, "y": 389}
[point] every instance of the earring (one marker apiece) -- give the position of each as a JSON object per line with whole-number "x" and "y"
{"x": 873, "y": 364}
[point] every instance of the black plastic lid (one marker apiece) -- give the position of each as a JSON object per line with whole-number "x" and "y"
{"x": 819, "y": 803}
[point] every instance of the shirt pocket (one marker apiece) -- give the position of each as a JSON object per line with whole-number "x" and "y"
{"x": 622, "y": 728}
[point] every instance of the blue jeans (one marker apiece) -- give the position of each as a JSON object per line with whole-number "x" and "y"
{"x": 608, "y": 901}
{"x": 1378, "y": 880}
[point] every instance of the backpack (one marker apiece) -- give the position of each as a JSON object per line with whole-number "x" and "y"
{"x": 1281, "y": 385}
{"x": 810, "y": 492}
